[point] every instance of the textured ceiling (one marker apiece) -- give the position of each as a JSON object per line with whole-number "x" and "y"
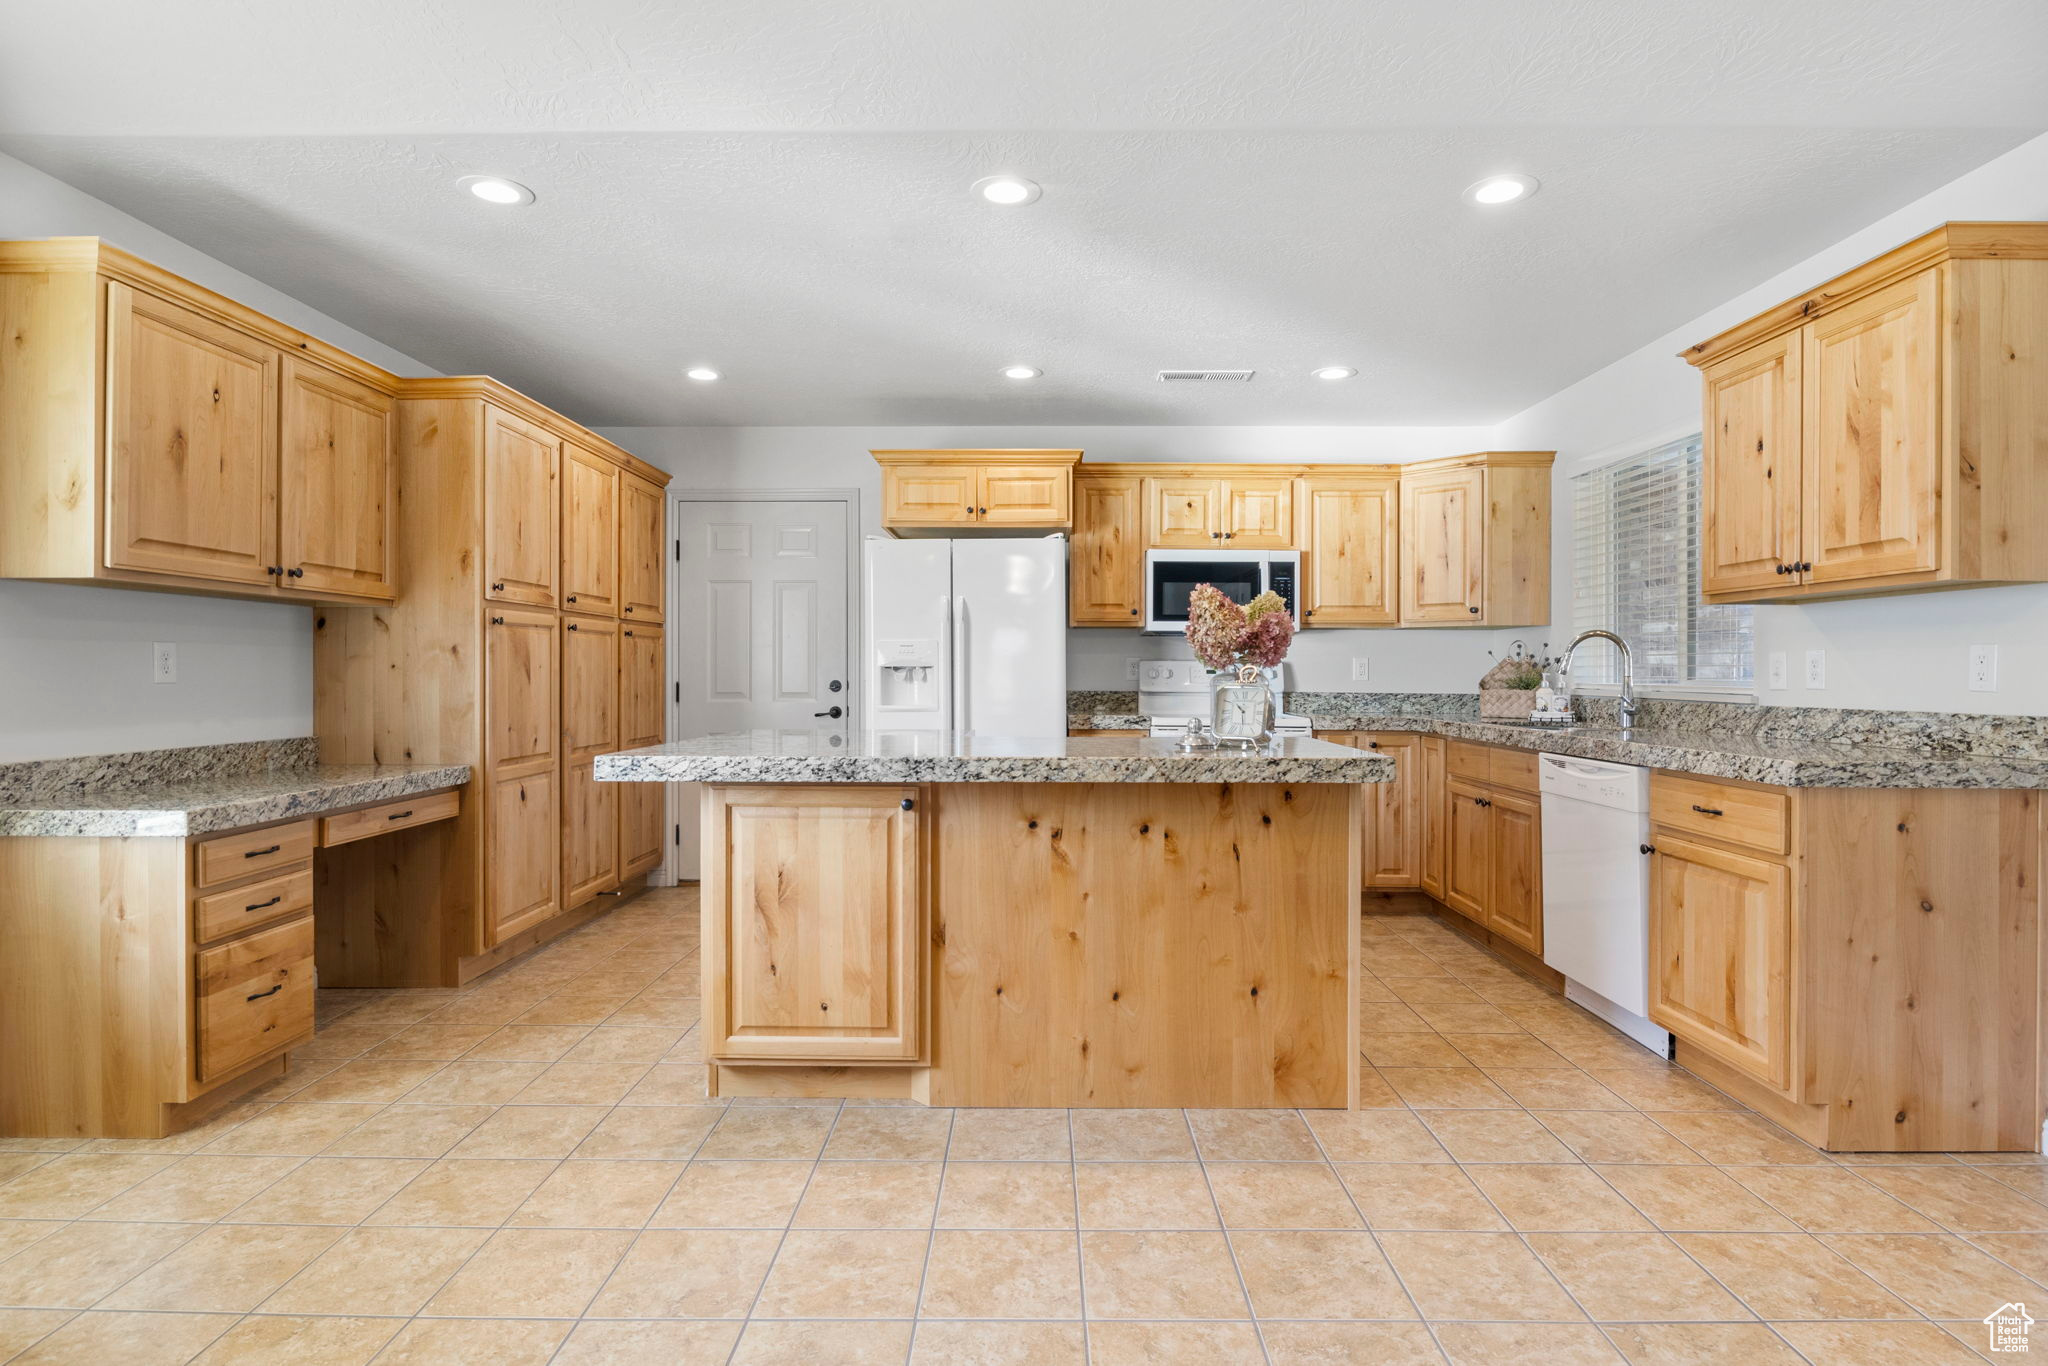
{"x": 780, "y": 189}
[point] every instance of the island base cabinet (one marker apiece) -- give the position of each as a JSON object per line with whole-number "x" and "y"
{"x": 813, "y": 924}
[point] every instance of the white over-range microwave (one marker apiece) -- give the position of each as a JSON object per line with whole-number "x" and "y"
{"x": 1172, "y": 575}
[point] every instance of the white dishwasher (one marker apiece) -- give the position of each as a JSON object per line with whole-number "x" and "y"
{"x": 1596, "y": 890}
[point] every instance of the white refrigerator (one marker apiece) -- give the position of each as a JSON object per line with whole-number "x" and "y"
{"x": 967, "y": 637}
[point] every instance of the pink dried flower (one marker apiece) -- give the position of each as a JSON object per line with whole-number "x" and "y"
{"x": 1225, "y": 635}
{"x": 1266, "y": 643}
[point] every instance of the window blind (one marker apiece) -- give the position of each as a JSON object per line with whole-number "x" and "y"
{"x": 1636, "y": 573}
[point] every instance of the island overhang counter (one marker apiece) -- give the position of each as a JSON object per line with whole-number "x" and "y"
{"x": 1072, "y": 921}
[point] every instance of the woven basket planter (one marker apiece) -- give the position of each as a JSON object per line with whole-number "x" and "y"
{"x": 1506, "y": 704}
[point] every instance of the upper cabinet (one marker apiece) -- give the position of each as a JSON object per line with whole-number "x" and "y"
{"x": 1885, "y": 431}
{"x": 1106, "y": 564}
{"x": 235, "y": 455}
{"x": 1193, "y": 511}
{"x": 522, "y": 463}
{"x": 956, "y": 490}
{"x": 642, "y": 541}
{"x": 1351, "y": 550}
{"x": 590, "y": 533}
{"x": 1475, "y": 540}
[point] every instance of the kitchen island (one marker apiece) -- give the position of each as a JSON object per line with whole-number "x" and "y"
{"x": 968, "y": 921}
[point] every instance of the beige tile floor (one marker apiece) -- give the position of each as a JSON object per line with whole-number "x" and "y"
{"x": 527, "y": 1171}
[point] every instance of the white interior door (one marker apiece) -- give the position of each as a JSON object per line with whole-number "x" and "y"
{"x": 760, "y": 626}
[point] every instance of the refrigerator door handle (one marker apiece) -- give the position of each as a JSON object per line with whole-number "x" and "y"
{"x": 959, "y": 661}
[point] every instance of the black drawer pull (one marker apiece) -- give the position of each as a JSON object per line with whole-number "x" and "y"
{"x": 399, "y": 816}
{"x": 272, "y": 992}
{"x": 259, "y": 853}
{"x": 263, "y": 904}
{"x": 1707, "y": 810}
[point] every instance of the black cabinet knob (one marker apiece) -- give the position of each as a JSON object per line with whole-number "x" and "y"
{"x": 572, "y": 625}
{"x": 1647, "y": 848}
{"x": 908, "y": 803}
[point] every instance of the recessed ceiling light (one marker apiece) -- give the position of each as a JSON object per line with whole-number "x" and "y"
{"x": 1500, "y": 189}
{"x": 1021, "y": 372}
{"x": 703, "y": 374}
{"x": 1007, "y": 190}
{"x": 1334, "y": 372}
{"x": 496, "y": 189}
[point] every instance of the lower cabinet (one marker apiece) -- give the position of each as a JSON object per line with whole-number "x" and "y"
{"x": 814, "y": 925}
{"x": 521, "y": 864}
{"x": 1468, "y": 849}
{"x": 1492, "y": 849}
{"x": 1394, "y": 816}
{"x": 253, "y": 998}
{"x": 1721, "y": 954}
{"x": 1430, "y": 814}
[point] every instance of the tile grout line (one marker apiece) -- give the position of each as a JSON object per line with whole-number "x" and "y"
{"x": 769, "y": 1270}
{"x": 931, "y": 1237}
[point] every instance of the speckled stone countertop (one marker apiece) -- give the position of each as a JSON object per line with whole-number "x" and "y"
{"x": 200, "y": 790}
{"x": 1782, "y": 746}
{"x": 766, "y": 756}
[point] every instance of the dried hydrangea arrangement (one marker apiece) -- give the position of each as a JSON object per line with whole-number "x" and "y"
{"x": 1226, "y": 636}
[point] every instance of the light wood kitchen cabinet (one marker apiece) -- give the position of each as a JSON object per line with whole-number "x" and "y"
{"x": 643, "y": 548}
{"x": 590, "y": 727}
{"x": 643, "y": 707}
{"x": 1721, "y": 955}
{"x": 1235, "y": 512}
{"x": 1184, "y": 513}
{"x": 160, "y": 435}
{"x": 804, "y": 967}
{"x": 1882, "y": 432}
{"x": 1514, "y": 893}
{"x": 1106, "y": 563}
{"x": 1351, "y": 556}
{"x": 1492, "y": 842}
{"x": 1475, "y": 532}
{"x": 939, "y": 490}
{"x": 336, "y": 486}
{"x": 1434, "y": 797}
{"x": 522, "y": 463}
{"x": 1468, "y": 850}
{"x": 1258, "y": 513}
{"x": 1394, "y": 813}
{"x": 593, "y": 541}
{"x": 253, "y": 998}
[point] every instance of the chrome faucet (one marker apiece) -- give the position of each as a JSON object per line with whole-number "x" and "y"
{"x": 1628, "y": 671}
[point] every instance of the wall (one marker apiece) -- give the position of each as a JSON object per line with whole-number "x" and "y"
{"x": 837, "y": 458}
{"x": 75, "y": 662}
{"x": 1906, "y": 652}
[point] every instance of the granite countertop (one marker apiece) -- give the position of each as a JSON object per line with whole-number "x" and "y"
{"x": 120, "y": 800}
{"x": 768, "y": 756}
{"x": 1778, "y": 761}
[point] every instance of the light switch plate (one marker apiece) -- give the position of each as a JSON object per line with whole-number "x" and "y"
{"x": 163, "y": 662}
{"x": 1983, "y": 668}
{"x": 1776, "y": 676}
{"x": 1358, "y": 669}
{"x": 1816, "y": 669}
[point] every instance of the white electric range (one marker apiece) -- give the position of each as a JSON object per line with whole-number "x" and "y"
{"x": 1172, "y": 692}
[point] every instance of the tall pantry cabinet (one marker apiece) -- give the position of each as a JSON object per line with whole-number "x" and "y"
{"x": 527, "y": 642}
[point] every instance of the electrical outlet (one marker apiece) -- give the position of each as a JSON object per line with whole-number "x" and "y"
{"x": 1983, "y": 668}
{"x": 1816, "y": 669}
{"x": 1777, "y": 669}
{"x": 1358, "y": 669}
{"x": 1131, "y": 669}
{"x": 163, "y": 662}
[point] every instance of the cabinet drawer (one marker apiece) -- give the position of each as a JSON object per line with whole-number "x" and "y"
{"x": 248, "y": 852}
{"x": 1515, "y": 770}
{"x": 255, "y": 997}
{"x": 240, "y": 908}
{"x": 350, "y": 826}
{"x": 1754, "y": 817}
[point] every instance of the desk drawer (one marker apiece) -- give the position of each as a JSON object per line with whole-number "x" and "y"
{"x": 371, "y": 821}
{"x": 255, "y": 997}
{"x": 1758, "y": 818}
{"x": 249, "y": 852}
{"x": 243, "y": 908}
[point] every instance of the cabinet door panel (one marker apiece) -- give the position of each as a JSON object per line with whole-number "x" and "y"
{"x": 815, "y": 923}
{"x": 1258, "y": 514}
{"x": 521, "y": 857}
{"x": 590, "y": 833}
{"x": 1873, "y": 441}
{"x": 191, "y": 443}
{"x": 1443, "y": 552}
{"x": 336, "y": 492}
{"x": 1352, "y": 562}
{"x": 1433, "y": 815}
{"x": 590, "y": 534}
{"x": 1106, "y": 564}
{"x": 1185, "y": 514}
{"x": 590, "y": 691}
{"x": 1750, "y": 489}
{"x": 521, "y": 464}
{"x": 929, "y": 495}
{"x": 1514, "y": 896}
{"x": 521, "y": 699}
{"x": 1024, "y": 495}
{"x": 643, "y": 713}
{"x": 643, "y": 549}
{"x": 1468, "y": 849}
{"x": 1394, "y": 851}
{"x": 1721, "y": 955}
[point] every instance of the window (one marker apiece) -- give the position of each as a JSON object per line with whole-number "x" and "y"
{"x": 1637, "y": 574}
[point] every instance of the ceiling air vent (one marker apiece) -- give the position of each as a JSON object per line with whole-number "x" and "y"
{"x": 1241, "y": 376}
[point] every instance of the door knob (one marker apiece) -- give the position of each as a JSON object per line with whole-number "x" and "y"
{"x": 835, "y": 713}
